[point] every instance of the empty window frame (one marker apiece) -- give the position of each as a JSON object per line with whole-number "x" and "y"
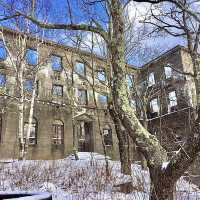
{"x": 80, "y": 68}
{"x": 107, "y": 135}
{"x": 58, "y": 132}
{"x": 172, "y": 99}
{"x": 3, "y": 52}
{"x": 56, "y": 63}
{"x": 133, "y": 103}
{"x": 31, "y": 57}
{"x": 151, "y": 79}
{"x": 168, "y": 72}
{"x": 154, "y": 106}
{"x": 28, "y": 85}
{"x": 101, "y": 75}
{"x": 130, "y": 80}
{"x": 33, "y": 131}
{"x": 102, "y": 99}
{"x": 57, "y": 90}
{"x": 82, "y": 97}
{"x": 2, "y": 80}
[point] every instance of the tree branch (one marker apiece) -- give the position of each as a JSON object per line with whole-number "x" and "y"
{"x": 9, "y": 17}
{"x": 79, "y": 27}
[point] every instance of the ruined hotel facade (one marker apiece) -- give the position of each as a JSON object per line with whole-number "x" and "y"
{"x": 166, "y": 97}
{"x": 66, "y": 116}
{"x": 70, "y": 107}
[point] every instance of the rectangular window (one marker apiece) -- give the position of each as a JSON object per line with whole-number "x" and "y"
{"x": 107, "y": 135}
{"x": 172, "y": 100}
{"x": 57, "y": 90}
{"x": 82, "y": 97}
{"x": 32, "y": 138}
{"x": 58, "y": 134}
{"x": 151, "y": 79}
{"x": 28, "y": 85}
{"x": 168, "y": 72}
{"x": 130, "y": 79}
{"x": 31, "y": 57}
{"x": 101, "y": 75}
{"x": 3, "y": 52}
{"x": 80, "y": 68}
{"x": 133, "y": 103}
{"x": 103, "y": 99}
{"x": 56, "y": 63}
{"x": 2, "y": 80}
{"x": 154, "y": 105}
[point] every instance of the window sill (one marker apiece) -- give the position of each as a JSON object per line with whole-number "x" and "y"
{"x": 32, "y": 145}
{"x": 109, "y": 146}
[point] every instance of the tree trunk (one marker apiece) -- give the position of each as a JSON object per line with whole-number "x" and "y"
{"x": 123, "y": 144}
{"x": 196, "y": 67}
{"x": 148, "y": 144}
{"x": 30, "y": 120}
{"x": 125, "y": 159}
{"x": 145, "y": 124}
{"x": 124, "y": 153}
{"x": 21, "y": 114}
{"x": 162, "y": 186}
{"x": 123, "y": 139}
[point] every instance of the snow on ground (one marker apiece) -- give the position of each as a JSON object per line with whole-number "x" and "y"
{"x": 68, "y": 179}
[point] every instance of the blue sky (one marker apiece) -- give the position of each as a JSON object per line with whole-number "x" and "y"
{"x": 57, "y": 11}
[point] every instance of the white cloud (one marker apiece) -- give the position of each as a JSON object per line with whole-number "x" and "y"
{"x": 137, "y": 11}
{"x": 97, "y": 41}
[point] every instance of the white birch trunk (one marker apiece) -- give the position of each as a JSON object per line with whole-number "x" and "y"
{"x": 20, "y": 67}
{"x": 30, "y": 120}
{"x": 21, "y": 112}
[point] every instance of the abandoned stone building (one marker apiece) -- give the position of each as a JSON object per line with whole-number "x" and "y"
{"x": 166, "y": 99}
{"x": 166, "y": 92}
{"x": 70, "y": 107}
{"x": 65, "y": 113}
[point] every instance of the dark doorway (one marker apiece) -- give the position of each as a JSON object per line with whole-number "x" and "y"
{"x": 85, "y": 137}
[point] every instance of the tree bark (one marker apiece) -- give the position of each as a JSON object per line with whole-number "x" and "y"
{"x": 123, "y": 144}
{"x": 161, "y": 187}
{"x": 21, "y": 113}
{"x": 196, "y": 67}
{"x": 30, "y": 120}
{"x": 148, "y": 143}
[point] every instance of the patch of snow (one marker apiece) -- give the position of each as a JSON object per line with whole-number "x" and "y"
{"x": 88, "y": 156}
{"x": 164, "y": 165}
{"x": 178, "y": 151}
{"x": 121, "y": 179}
{"x": 70, "y": 179}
